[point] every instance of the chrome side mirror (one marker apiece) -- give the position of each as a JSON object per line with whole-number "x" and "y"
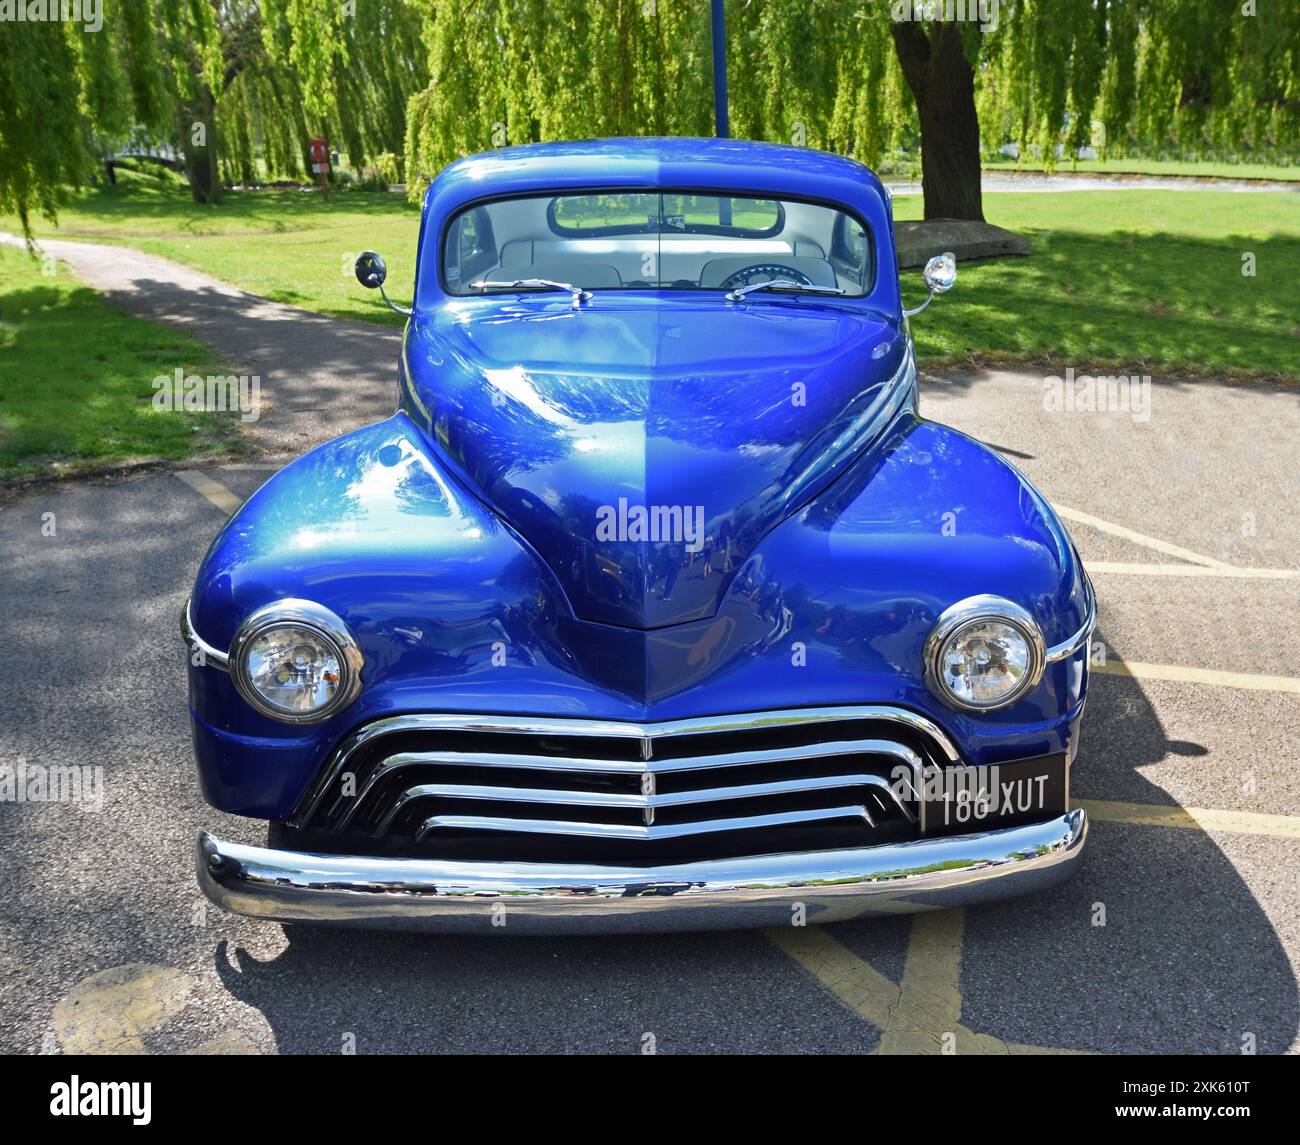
{"x": 940, "y": 273}
{"x": 371, "y": 270}
{"x": 371, "y": 273}
{"x": 940, "y": 276}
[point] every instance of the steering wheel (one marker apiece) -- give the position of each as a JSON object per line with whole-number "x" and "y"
{"x": 764, "y": 272}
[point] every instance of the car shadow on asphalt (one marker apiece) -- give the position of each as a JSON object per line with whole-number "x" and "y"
{"x": 1158, "y": 945}
{"x": 729, "y": 991}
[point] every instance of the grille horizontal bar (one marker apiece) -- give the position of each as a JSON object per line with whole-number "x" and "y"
{"x": 629, "y": 801}
{"x": 630, "y": 831}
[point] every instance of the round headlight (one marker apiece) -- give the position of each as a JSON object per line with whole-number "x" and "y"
{"x": 296, "y": 661}
{"x": 984, "y": 653}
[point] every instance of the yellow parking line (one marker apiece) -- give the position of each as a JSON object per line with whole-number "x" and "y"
{"x": 922, "y": 1015}
{"x": 858, "y": 986}
{"x": 230, "y": 1043}
{"x": 928, "y": 1010}
{"x": 113, "y": 1011}
{"x": 1140, "y": 538}
{"x": 1252, "y": 681}
{"x": 214, "y": 491}
{"x": 1198, "y": 818}
{"x": 1129, "y": 569}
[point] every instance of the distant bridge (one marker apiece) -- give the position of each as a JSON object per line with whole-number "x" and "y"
{"x": 141, "y": 151}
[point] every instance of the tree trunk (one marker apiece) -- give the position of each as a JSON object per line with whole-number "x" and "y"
{"x": 201, "y": 159}
{"x": 943, "y": 85}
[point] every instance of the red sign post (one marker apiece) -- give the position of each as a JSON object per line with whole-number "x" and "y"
{"x": 319, "y": 150}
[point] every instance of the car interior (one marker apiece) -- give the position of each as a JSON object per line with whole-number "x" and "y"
{"x": 631, "y": 240}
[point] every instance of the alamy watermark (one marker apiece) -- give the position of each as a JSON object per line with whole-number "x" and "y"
{"x": 87, "y": 12}
{"x": 77, "y": 1098}
{"x": 1112, "y": 393}
{"x": 24, "y": 782}
{"x": 215, "y": 393}
{"x": 677, "y": 524}
{"x": 981, "y": 12}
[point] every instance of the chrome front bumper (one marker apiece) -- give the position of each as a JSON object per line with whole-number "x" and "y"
{"x": 527, "y": 898}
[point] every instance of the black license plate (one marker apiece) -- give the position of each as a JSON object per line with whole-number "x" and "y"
{"x": 964, "y": 800}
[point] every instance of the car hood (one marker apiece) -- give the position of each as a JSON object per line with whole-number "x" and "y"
{"x": 644, "y": 448}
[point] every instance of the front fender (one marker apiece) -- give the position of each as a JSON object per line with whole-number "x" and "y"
{"x": 432, "y": 585}
{"x": 858, "y": 579}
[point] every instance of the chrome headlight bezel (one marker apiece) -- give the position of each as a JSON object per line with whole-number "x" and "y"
{"x": 321, "y": 623}
{"x": 973, "y": 610}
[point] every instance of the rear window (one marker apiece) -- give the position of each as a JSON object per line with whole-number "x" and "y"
{"x": 635, "y": 214}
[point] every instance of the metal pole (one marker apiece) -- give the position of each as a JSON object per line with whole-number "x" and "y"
{"x": 718, "y": 29}
{"x": 722, "y": 128}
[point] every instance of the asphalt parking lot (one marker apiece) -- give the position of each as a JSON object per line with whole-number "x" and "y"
{"x": 1181, "y": 933}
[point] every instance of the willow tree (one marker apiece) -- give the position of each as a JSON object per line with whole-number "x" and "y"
{"x": 230, "y": 83}
{"x": 385, "y": 63}
{"x": 248, "y": 82}
{"x": 952, "y": 78}
{"x": 1068, "y": 73}
{"x": 193, "y": 41}
{"x": 518, "y": 71}
{"x": 1047, "y": 73}
{"x": 60, "y": 86}
{"x": 40, "y": 124}
{"x": 816, "y": 73}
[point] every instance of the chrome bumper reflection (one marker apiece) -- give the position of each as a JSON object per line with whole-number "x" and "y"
{"x": 528, "y": 898}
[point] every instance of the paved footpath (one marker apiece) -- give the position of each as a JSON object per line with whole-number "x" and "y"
{"x": 320, "y": 376}
{"x": 1180, "y": 934}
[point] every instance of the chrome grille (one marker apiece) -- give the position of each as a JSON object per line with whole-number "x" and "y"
{"x": 502, "y": 787}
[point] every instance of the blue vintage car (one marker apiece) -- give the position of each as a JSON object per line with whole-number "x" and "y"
{"x": 656, "y": 604}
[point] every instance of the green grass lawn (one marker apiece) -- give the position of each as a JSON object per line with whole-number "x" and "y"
{"x": 76, "y": 380}
{"x": 1146, "y": 279}
{"x": 285, "y": 245}
{"x": 1142, "y": 278}
{"x": 1193, "y": 168}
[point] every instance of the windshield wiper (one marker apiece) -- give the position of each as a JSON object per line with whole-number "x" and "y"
{"x": 579, "y": 295}
{"x": 738, "y": 295}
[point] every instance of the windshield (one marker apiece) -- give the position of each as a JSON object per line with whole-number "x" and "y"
{"x": 656, "y": 240}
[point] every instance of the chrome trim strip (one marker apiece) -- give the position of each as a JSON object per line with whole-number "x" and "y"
{"x": 1068, "y": 648}
{"x": 544, "y": 725}
{"x": 826, "y": 750}
{"x": 696, "y": 725}
{"x": 458, "y": 897}
{"x": 631, "y": 831}
{"x": 629, "y": 800}
{"x": 213, "y": 657}
{"x": 608, "y": 799}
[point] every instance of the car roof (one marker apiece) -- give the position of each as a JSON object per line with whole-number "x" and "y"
{"x": 735, "y": 165}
